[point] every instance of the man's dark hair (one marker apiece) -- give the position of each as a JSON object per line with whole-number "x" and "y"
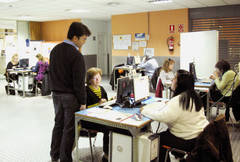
{"x": 223, "y": 66}
{"x": 78, "y": 29}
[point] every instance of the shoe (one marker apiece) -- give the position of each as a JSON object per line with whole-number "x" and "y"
{"x": 104, "y": 158}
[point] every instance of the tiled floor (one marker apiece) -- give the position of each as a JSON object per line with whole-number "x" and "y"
{"x": 26, "y": 126}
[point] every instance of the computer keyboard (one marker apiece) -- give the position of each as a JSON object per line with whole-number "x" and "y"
{"x": 109, "y": 103}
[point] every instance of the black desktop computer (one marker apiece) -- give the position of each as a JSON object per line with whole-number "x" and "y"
{"x": 24, "y": 63}
{"x": 192, "y": 70}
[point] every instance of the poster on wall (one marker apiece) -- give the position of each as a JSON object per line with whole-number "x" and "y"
{"x": 180, "y": 28}
{"x": 171, "y": 28}
{"x": 149, "y": 51}
{"x": 121, "y": 42}
{"x": 142, "y": 43}
{"x": 140, "y": 36}
{"x": 135, "y": 46}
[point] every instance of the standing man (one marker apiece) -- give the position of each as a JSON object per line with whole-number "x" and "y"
{"x": 67, "y": 82}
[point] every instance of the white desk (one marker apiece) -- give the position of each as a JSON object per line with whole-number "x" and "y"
{"x": 120, "y": 118}
{"x": 23, "y": 79}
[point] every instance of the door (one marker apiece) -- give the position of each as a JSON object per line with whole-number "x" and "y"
{"x": 102, "y": 57}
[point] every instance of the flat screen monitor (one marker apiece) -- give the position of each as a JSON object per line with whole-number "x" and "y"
{"x": 24, "y": 63}
{"x": 141, "y": 88}
{"x": 124, "y": 89}
{"x": 192, "y": 70}
{"x": 130, "y": 60}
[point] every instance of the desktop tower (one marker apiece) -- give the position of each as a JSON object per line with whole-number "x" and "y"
{"x": 147, "y": 147}
{"x": 28, "y": 80}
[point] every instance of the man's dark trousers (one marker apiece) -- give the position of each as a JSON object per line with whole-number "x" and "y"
{"x": 65, "y": 105}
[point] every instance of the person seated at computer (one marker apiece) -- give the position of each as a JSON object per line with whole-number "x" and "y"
{"x": 184, "y": 115}
{"x": 96, "y": 95}
{"x": 14, "y": 63}
{"x": 226, "y": 80}
{"x": 149, "y": 64}
{"x": 166, "y": 74}
{"x": 40, "y": 69}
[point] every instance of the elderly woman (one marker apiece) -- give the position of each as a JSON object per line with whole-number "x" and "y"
{"x": 184, "y": 115}
{"x": 96, "y": 95}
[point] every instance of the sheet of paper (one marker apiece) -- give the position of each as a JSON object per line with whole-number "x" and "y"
{"x": 135, "y": 46}
{"x": 142, "y": 43}
{"x": 121, "y": 42}
{"x": 149, "y": 51}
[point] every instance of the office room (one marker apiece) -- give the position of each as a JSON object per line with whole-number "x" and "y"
{"x": 119, "y": 81}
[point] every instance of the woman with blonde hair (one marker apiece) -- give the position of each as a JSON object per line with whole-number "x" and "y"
{"x": 40, "y": 67}
{"x": 14, "y": 63}
{"x": 166, "y": 74}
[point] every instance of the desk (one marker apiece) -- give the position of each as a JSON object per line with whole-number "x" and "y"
{"x": 24, "y": 73}
{"x": 204, "y": 87}
{"x": 129, "y": 71}
{"x": 120, "y": 118}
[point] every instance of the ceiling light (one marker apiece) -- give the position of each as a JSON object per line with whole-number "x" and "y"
{"x": 113, "y": 4}
{"x": 77, "y": 10}
{"x": 8, "y": 1}
{"x": 159, "y": 1}
{"x": 25, "y": 17}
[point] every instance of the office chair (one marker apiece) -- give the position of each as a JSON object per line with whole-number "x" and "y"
{"x": 213, "y": 144}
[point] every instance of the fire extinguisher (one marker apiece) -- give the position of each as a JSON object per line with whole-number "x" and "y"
{"x": 170, "y": 43}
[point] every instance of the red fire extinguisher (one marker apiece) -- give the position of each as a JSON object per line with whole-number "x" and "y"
{"x": 170, "y": 43}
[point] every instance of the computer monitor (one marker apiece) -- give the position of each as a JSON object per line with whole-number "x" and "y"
{"x": 130, "y": 60}
{"x": 124, "y": 90}
{"x": 137, "y": 60}
{"x": 24, "y": 63}
{"x": 141, "y": 88}
{"x": 192, "y": 70}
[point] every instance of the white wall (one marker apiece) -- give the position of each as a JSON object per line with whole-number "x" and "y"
{"x": 202, "y": 48}
{"x": 98, "y": 28}
{"x": 22, "y": 34}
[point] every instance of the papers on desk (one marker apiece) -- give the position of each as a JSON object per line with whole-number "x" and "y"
{"x": 114, "y": 116}
{"x": 108, "y": 114}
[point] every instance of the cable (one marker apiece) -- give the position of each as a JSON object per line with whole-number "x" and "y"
{"x": 158, "y": 127}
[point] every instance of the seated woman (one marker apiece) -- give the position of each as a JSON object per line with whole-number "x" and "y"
{"x": 184, "y": 115}
{"x": 14, "y": 63}
{"x": 96, "y": 95}
{"x": 223, "y": 78}
{"x": 166, "y": 74}
{"x": 40, "y": 69}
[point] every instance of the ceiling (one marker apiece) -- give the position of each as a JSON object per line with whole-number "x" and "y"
{"x": 45, "y": 10}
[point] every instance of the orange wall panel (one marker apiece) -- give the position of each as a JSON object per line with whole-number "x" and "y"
{"x": 56, "y": 30}
{"x": 158, "y": 24}
{"x": 129, "y": 24}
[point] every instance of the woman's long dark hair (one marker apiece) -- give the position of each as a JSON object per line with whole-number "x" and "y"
{"x": 185, "y": 88}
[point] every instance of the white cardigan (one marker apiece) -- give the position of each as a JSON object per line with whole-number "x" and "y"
{"x": 183, "y": 124}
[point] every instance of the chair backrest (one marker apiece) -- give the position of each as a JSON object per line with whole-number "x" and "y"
{"x": 155, "y": 77}
{"x": 213, "y": 144}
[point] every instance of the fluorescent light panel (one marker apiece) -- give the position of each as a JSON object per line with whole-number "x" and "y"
{"x": 160, "y": 1}
{"x": 78, "y": 11}
{"x": 8, "y": 1}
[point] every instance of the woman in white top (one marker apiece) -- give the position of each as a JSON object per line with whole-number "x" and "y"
{"x": 184, "y": 115}
{"x": 166, "y": 75}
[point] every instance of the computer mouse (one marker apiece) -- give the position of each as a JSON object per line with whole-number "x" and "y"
{"x": 138, "y": 117}
{"x": 107, "y": 107}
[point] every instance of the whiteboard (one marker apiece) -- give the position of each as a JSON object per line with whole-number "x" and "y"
{"x": 200, "y": 48}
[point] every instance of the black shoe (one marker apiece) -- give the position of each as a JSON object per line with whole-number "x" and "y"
{"x": 104, "y": 158}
